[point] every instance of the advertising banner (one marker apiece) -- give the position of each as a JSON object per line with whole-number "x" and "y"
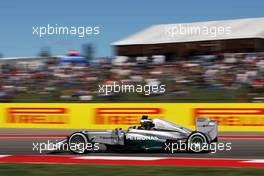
{"x": 230, "y": 116}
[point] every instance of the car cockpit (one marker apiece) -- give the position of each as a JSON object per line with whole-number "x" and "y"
{"x": 145, "y": 124}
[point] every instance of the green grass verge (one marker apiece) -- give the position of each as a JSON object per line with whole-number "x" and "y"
{"x": 118, "y": 170}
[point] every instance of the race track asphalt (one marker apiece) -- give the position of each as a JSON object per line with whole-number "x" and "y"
{"x": 20, "y": 142}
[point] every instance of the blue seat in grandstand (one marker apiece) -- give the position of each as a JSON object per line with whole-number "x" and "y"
{"x": 72, "y": 59}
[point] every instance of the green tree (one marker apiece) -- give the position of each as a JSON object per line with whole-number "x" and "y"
{"x": 45, "y": 52}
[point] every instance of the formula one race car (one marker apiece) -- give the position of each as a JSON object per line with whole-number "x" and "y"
{"x": 152, "y": 134}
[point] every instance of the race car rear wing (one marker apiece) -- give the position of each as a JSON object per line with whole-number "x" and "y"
{"x": 207, "y": 126}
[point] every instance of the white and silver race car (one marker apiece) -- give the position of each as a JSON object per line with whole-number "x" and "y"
{"x": 152, "y": 134}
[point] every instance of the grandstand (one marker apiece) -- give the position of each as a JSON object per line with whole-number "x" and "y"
{"x": 243, "y": 35}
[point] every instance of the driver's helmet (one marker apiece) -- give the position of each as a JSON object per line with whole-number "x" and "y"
{"x": 146, "y": 123}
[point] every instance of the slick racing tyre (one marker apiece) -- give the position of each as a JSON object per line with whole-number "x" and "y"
{"x": 196, "y": 142}
{"x": 77, "y": 143}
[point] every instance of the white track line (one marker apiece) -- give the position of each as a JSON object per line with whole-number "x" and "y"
{"x": 3, "y": 156}
{"x": 254, "y": 161}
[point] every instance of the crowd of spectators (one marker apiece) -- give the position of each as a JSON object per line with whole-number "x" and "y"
{"x": 235, "y": 77}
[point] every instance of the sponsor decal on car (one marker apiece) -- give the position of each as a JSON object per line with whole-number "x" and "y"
{"x": 141, "y": 138}
{"x": 232, "y": 116}
{"x": 37, "y": 115}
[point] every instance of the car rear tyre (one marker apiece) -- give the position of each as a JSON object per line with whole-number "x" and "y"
{"x": 77, "y": 143}
{"x": 196, "y": 142}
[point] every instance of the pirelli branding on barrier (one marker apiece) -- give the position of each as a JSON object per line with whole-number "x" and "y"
{"x": 233, "y": 116}
{"x": 37, "y": 115}
{"x": 230, "y": 116}
{"x": 123, "y": 116}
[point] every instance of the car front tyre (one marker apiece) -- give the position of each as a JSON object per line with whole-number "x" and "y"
{"x": 77, "y": 143}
